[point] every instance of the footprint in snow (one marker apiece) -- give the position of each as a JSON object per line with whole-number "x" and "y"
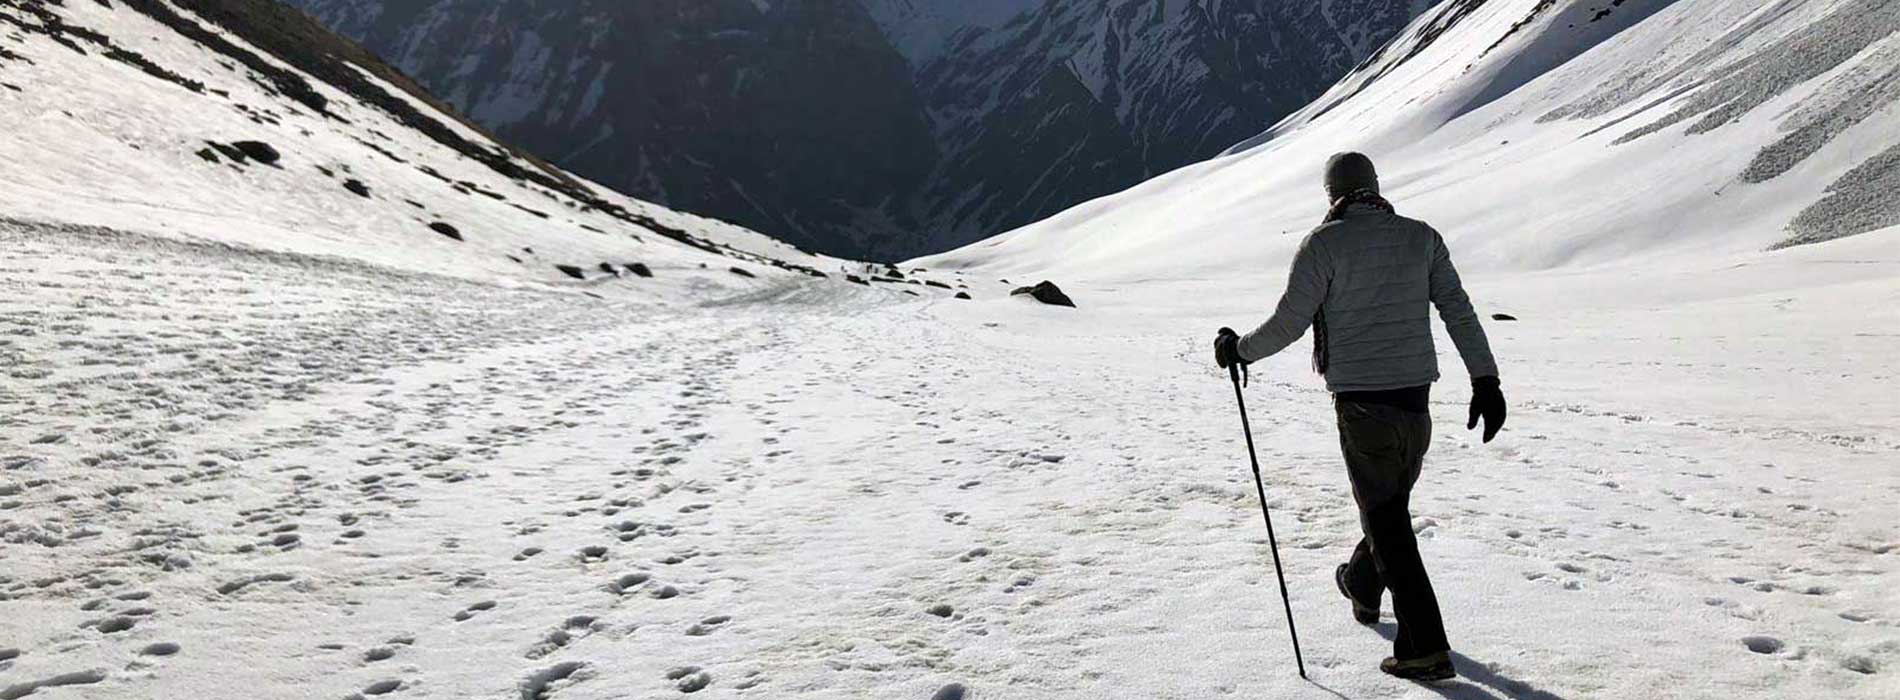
{"x": 471, "y": 610}
{"x": 689, "y": 679}
{"x": 706, "y": 626}
{"x": 383, "y": 687}
{"x": 112, "y": 625}
{"x": 628, "y": 582}
{"x": 558, "y": 638}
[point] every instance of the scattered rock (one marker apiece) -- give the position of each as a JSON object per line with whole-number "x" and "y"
{"x": 962, "y": 295}
{"x": 638, "y": 269}
{"x": 742, "y": 272}
{"x": 445, "y": 230}
{"x": 209, "y": 156}
{"x": 1046, "y": 292}
{"x": 1503, "y": 317}
{"x": 229, "y": 151}
{"x": 953, "y": 691}
{"x": 854, "y": 279}
{"x": 258, "y": 151}
{"x": 357, "y": 187}
{"x": 609, "y": 269}
{"x": 571, "y": 271}
{"x": 1762, "y": 644}
{"x": 936, "y": 284}
{"x": 941, "y": 610}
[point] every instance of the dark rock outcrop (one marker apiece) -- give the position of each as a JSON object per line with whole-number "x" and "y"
{"x": 740, "y": 271}
{"x": 258, "y": 151}
{"x": 446, "y": 230}
{"x": 1046, "y": 292}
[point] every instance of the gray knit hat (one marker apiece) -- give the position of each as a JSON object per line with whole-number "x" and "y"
{"x": 1346, "y": 172}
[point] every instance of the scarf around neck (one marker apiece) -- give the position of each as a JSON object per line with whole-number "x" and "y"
{"x": 1338, "y": 213}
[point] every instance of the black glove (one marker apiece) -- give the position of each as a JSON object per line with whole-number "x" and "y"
{"x": 1227, "y": 349}
{"x": 1486, "y": 401}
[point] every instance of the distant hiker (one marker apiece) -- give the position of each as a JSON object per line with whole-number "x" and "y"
{"x": 1363, "y": 281}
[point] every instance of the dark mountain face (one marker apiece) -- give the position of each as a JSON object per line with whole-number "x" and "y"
{"x": 805, "y": 119}
{"x": 795, "y": 119}
{"x": 1168, "y": 85}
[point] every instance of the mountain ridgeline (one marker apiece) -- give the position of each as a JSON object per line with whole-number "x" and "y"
{"x": 876, "y": 129}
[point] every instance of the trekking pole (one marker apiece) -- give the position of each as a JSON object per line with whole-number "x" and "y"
{"x": 1233, "y": 371}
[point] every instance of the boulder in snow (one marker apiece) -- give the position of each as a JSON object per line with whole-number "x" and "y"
{"x": 638, "y": 269}
{"x": 258, "y": 151}
{"x": 1503, "y": 317}
{"x": 571, "y": 271}
{"x": 740, "y": 271}
{"x": 357, "y": 187}
{"x": 446, "y": 230}
{"x": 609, "y": 269}
{"x": 1046, "y": 292}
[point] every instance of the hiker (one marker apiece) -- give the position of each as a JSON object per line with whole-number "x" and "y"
{"x": 1362, "y": 281}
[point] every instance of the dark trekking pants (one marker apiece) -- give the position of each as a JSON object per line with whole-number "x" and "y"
{"x": 1385, "y": 448}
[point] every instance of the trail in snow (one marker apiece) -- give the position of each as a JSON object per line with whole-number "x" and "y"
{"x": 232, "y": 475}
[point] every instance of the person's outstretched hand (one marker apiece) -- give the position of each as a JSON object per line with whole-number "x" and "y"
{"x": 1487, "y": 402}
{"x": 1227, "y": 348}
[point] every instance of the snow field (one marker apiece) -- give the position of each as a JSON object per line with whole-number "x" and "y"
{"x": 227, "y": 485}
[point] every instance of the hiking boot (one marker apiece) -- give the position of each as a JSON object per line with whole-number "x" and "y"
{"x": 1426, "y": 669}
{"x": 1366, "y": 615}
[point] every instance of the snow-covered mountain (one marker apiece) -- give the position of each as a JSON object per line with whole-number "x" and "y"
{"x": 1541, "y": 133}
{"x": 244, "y": 121}
{"x": 295, "y": 403}
{"x": 885, "y": 128}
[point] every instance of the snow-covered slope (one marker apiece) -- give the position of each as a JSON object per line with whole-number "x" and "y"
{"x": 1538, "y": 134}
{"x": 125, "y": 115}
